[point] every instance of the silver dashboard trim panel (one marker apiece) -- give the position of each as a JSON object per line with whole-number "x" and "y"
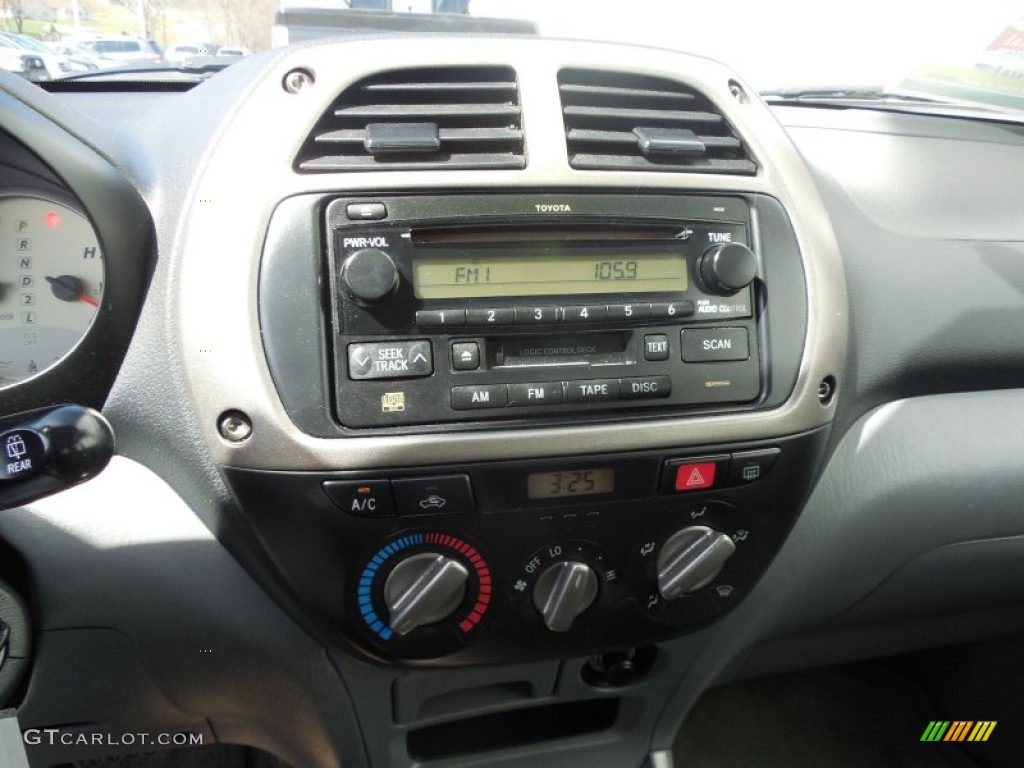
{"x": 242, "y": 181}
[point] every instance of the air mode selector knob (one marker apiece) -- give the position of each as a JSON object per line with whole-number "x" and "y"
{"x": 691, "y": 559}
{"x": 370, "y": 276}
{"x": 563, "y": 592}
{"x": 423, "y": 589}
{"x": 725, "y": 269}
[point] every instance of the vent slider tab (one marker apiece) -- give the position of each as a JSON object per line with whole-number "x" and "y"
{"x": 401, "y": 138}
{"x": 654, "y": 141}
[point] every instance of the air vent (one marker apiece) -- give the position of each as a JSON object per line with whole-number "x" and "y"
{"x": 624, "y": 122}
{"x": 418, "y": 119}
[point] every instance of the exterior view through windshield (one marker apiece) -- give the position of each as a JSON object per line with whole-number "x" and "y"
{"x": 971, "y": 51}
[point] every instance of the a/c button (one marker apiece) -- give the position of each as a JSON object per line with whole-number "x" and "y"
{"x": 363, "y": 498}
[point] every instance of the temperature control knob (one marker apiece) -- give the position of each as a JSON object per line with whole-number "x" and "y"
{"x": 370, "y": 276}
{"x": 423, "y": 589}
{"x": 691, "y": 559}
{"x": 727, "y": 268}
{"x": 563, "y": 592}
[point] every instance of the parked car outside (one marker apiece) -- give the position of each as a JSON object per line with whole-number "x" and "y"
{"x": 56, "y": 66}
{"x": 126, "y": 49}
{"x": 179, "y": 53}
{"x": 234, "y": 50}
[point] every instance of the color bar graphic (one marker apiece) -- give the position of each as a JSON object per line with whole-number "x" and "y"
{"x": 958, "y": 730}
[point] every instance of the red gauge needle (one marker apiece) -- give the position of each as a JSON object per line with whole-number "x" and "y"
{"x": 69, "y": 288}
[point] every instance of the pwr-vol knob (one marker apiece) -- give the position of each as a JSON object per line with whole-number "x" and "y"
{"x": 369, "y": 276}
{"x": 691, "y": 559}
{"x": 563, "y": 592}
{"x": 423, "y": 589}
{"x": 726, "y": 269}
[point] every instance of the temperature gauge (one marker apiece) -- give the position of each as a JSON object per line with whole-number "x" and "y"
{"x": 51, "y": 284}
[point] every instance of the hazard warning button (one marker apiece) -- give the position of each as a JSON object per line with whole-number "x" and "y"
{"x": 698, "y": 474}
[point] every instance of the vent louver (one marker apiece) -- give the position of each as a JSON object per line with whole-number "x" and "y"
{"x": 418, "y": 119}
{"x": 624, "y": 122}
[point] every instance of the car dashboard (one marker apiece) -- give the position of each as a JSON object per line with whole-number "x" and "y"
{"x": 487, "y": 400}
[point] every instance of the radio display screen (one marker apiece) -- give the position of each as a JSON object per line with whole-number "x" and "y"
{"x": 547, "y": 270}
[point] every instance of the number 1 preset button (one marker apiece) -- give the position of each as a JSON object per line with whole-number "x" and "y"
{"x": 436, "y": 318}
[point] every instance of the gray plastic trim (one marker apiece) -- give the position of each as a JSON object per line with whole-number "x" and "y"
{"x": 145, "y": 619}
{"x": 226, "y": 214}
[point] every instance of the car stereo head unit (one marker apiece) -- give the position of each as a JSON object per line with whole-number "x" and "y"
{"x": 448, "y": 310}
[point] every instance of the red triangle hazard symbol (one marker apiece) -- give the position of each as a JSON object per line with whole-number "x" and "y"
{"x": 695, "y": 478}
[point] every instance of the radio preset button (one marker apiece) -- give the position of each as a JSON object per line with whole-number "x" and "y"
{"x": 655, "y": 347}
{"x": 475, "y": 396}
{"x": 465, "y": 356}
{"x": 676, "y": 310}
{"x": 628, "y": 312}
{"x": 390, "y": 360}
{"x": 536, "y": 315}
{"x": 436, "y": 318}
{"x": 496, "y": 316}
{"x": 592, "y": 390}
{"x": 590, "y": 313}
{"x": 704, "y": 345}
{"x": 544, "y": 393}
{"x": 646, "y": 387}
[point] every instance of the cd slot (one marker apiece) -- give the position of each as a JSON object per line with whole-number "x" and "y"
{"x": 593, "y": 350}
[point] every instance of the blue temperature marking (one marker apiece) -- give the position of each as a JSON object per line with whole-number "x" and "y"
{"x": 373, "y": 621}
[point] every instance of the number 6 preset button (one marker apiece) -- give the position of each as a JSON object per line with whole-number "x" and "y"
{"x": 489, "y": 316}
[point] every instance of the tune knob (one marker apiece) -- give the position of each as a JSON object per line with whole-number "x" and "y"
{"x": 727, "y": 268}
{"x": 563, "y": 592}
{"x": 370, "y": 276}
{"x": 423, "y": 589}
{"x": 691, "y": 559}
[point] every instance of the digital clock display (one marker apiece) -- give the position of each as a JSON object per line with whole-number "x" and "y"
{"x": 574, "y": 482}
{"x": 547, "y": 270}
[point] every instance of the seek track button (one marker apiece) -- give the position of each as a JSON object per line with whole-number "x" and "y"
{"x": 390, "y": 360}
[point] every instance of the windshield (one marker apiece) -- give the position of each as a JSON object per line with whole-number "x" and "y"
{"x": 957, "y": 50}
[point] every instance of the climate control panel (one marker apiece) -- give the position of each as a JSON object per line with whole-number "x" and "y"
{"x": 530, "y": 559}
